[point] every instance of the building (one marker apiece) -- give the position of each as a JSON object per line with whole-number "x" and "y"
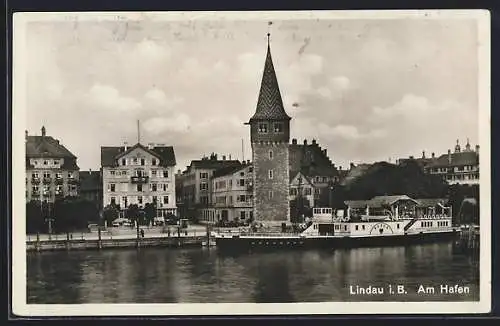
{"x": 397, "y": 207}
{"x": 270, "y": 136}
{"x": 197, "y": 186}
{"x": 458, "y": 167}
{"x": 91, "y": 186}
{"x": 51, "y": 169}
{"x": 313, "y": 163}
{"x": 139, "y": 175}
{"x": 232, "y": 195}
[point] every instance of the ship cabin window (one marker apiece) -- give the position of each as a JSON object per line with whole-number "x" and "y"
{"x": 397, "y": 225}
{"x": 345, "y": 227}
{"x": 357, "y": 227}
{"x": 363, "y": 227}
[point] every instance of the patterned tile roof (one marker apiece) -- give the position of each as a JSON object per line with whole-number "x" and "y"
{"x": 46, "y": 146}
{"x": 269, "y": 104}
{"x": 228, "y": 170}
{"x": 456, "y": 159}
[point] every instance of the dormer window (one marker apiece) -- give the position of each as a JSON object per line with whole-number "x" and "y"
{"x": 124, "y": 162}
{"x": 263, "y": 128}
{"x": 278, "y": 127}
{"x": 153, "y": 162}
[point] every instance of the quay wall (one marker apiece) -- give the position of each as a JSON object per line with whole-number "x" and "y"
{"x": 96, "y": 244}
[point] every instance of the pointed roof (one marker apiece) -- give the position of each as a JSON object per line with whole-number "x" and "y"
{"x": 110, "y": 155}
{"x": 269, "y": 104}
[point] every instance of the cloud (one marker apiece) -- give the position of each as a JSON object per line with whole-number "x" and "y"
{"x": 161, "y": 125}
{"x": 149, "y": 50}
{"x": 348, "y": 132}
{"x": 412, "y": 105}
{"x": 109, "y": 98}
{"x": 340, "y": 83}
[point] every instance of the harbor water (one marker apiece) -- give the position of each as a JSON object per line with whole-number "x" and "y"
{"x": 201, "y": 275}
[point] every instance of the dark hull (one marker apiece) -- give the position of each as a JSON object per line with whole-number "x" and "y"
{"x": 238, "y": 244}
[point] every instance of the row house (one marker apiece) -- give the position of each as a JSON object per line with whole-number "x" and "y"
{"x": 51, "y": 169}
{"x": 91, "y": 187}
{"x": 139, "y": 175}
{"x": 458, "y": 167}
{"x": 196, "y": 185}
{"x": 232, "y": 195}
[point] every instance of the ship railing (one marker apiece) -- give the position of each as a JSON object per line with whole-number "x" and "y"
{"x": 261, "y": 235}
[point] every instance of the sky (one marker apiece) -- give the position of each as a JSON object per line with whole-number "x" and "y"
{"x": 366, "y": 90}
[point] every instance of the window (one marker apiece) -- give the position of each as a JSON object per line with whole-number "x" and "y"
{"x": 242, "y": 174}
{"x": 56, "y": 162}
{"x": 124, "y": 162}
{"x": 270, "y": 174}
{"x": 278, "y": 127}
{"x": 35, "y": 189}
{"x": 250, "y": 169}
{"x": 293, "y": 191}
{"x": 363, "y": 227}
{"x": 112, "y": 172}
{"x": 124, "y": 172}
{"x": 203, "y": 175}
{"x": 271, "y": 195}
{"x": 112, "y": 187}
{"x": 204, "y": 200}
{"x": 307, "y": 191}
{"x": 135, "y": 160}
{"x": 139, "y": 187}
{"x": 165, "y": 186}
{"x": 153, "y": 173}
{"x": 241, "y": 198}
{"x": 154, "y": 187}
{"x": 242, "y": 182}
{"x": 397, "y": 225}
{"x": 165, "y": 173}
{"x": 34, "y": 175}
{"x": 113, "y": 201}
{"x": 153, "y": 161}
{"x": 143, "y": 161}
{"x": 357, "y": 227}
{"x": 270, "y": 155}
{"x": 155, "y": 199}
{"x": 139, "y": 199}
{"x": 125, "y": 201}
{"x": 45, "y": 162}
{"x": 263, "y": 128}
{"x": 242, "y": 215}
{"x": 70, "y": 175}
{"x": 203, "y": 186}
{"x": 46, "y": 174}
{"x": 165, "y": 199}
{"x": 317, "y": 179}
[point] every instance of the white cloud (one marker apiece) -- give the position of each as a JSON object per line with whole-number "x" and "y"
{"x": 349, "y": 132}
{"x": 412, "y": 105}
{"x": 340, "y": 83}
{"x": 108, "y": 97}
{"x": 162, "y": 125}
{"x": 150, "y": 50}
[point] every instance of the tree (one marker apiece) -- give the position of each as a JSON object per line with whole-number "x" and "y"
{"x": 110, "y": 213}
{"x": 149, "y": 212}
{"x": 133, "y": 213}
{"x": 34, "y": 218}
{"x": 73, "y": 214}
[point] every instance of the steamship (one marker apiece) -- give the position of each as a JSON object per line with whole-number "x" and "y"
{"x": 419, "y": 221}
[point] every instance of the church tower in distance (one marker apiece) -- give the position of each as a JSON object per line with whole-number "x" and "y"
{"x": 270, "y": 136}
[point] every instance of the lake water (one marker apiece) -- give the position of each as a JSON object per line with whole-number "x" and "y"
{"x": 154, "y": 275}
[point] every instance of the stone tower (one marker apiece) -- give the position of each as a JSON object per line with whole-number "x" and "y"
{"x": 270, "y": 136}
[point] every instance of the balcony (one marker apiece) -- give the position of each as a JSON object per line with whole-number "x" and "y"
{"x": 139, "y": 179}
{"x": 72, "y": 181}
{"x": 47, "y": 180}
{"x": 35, "y": 181}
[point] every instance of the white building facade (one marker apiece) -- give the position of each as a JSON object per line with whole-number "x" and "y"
{"x": 139, "y": 175}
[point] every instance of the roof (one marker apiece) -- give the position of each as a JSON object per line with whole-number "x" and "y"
{"x": 431, "y": 202}
{"x": 457, "y": 159}
{"x": 269, "y": 104}
{"x": 228, "y": 170}
{"x": 311, "y": 161}
{"x": 110, "y": 155}
{"x": 46, "y": 146}
{"x": 90, "y": 180}
{"x": 294, "y": 174}
{"x": 211, "y": 164}
{"x": 378, "y": 201}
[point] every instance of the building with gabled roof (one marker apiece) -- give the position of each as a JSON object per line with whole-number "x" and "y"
{"x": 139, "y": 175}
{"x": 51, "y": 169}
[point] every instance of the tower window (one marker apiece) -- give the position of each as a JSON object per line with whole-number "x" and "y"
{"x": 270, "y": 155}
{"x": 271, "y": 195}
{"x": 271, "y": 174}
{"x": 278, "y": 127}
{"x": 263, "y": 128}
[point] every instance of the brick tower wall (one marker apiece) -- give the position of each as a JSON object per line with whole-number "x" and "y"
{"x": 277, "y": 209}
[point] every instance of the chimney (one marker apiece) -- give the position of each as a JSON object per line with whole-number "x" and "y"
{"x": 449, "y": 156}
{"x": 423, "y": 154}
{"x": 433, "y": 155}
{"x": 477, "y": 149}
{"x": 43, "y": 131}
{"x": 305, "y": 141}
{"x": 294, "y": 141}
{"x": 125, "y": 145}
{"x": 314, "y": 141}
